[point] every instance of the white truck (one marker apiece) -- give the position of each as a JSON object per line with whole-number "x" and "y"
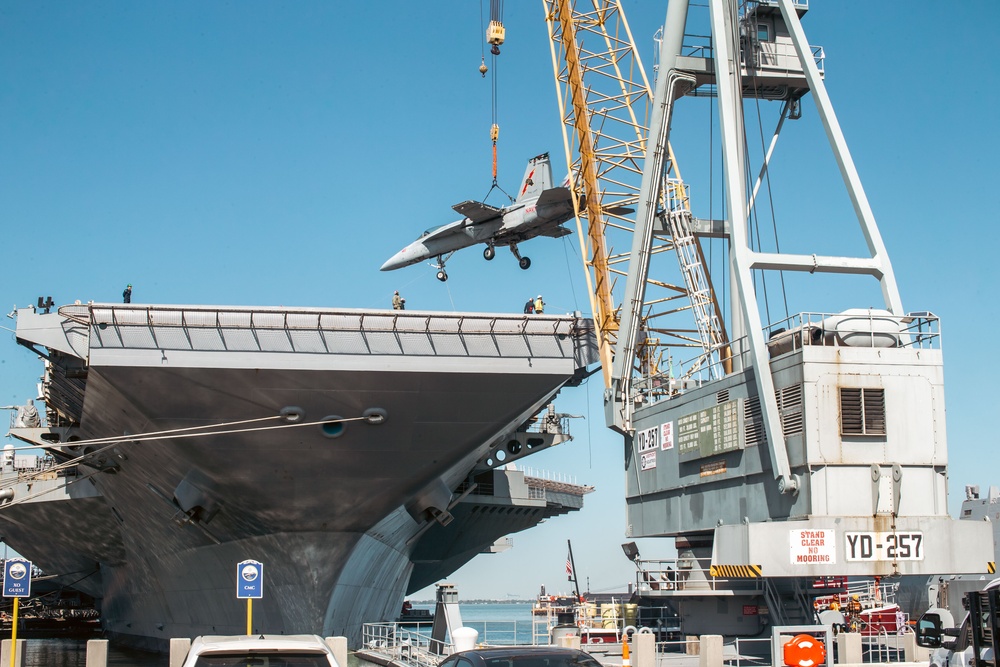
{"x": 975, "y": 643}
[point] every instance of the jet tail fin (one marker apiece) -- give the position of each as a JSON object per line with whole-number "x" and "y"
{"x": 537, "y": 178}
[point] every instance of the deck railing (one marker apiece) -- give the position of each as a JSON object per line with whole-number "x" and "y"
{"x": 340, "y": 331}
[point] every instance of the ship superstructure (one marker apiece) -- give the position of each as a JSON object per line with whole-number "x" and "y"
{"x": 331, "y": 445}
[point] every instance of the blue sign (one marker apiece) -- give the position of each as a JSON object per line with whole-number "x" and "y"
{"x": 249, "y": 579}
{"x": 17, "y": 578}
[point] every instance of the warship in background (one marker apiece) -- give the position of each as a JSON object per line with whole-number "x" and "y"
{"x": 360, "y": 455}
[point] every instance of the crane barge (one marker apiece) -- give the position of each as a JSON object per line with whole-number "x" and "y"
{"x": 780, "y": 453}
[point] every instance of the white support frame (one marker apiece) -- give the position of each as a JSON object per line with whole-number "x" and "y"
{"x": 725, "y": 36}
{"x": 724, "y": 18}
{"x": 879, "y": 257}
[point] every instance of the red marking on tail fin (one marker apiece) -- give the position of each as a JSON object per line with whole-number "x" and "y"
{"x": 526, "y": 181}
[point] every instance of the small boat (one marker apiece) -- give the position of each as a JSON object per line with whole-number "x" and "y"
{"x": 595, "y": 618}
{"x": 876, "y": 613}
{"x": 410, "y": 616}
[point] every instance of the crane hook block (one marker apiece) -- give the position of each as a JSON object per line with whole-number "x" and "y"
{"x": 483, "y": 69}
{"x": 495, "y": 33}
{"x": 495, "y": 132}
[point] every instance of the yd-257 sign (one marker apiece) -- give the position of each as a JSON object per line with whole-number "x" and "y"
{"x": 884, "y": 546}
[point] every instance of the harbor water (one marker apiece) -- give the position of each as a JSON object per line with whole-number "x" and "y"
{"x": 502, "y": 618}
{"x": 73, "y": 653}
{"x": 504, "y": 623}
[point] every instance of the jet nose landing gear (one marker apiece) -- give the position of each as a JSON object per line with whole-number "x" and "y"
{"x": 489, "y": 253}
{"x": 441, "y": 275}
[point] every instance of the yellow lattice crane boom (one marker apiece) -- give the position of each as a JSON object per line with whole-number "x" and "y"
{"x": 604, "y": 101}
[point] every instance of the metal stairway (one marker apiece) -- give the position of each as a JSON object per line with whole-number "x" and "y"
{"x": 678, "y": 219}
{"x": 787, "y": 602}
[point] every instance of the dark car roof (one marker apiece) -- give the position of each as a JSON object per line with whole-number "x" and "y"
{"x": 524, "y": 656}
{"x": 506, "y": 651}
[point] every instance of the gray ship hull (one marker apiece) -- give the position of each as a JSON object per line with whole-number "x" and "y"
{"x": 45, "y": 515}
{"x": 210, "y": 473}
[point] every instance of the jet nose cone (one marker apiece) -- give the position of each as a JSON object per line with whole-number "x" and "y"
{"x": 393, "y": 262}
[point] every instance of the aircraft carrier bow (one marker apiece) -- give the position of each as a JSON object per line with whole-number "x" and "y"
{"x": 331, "y": 445}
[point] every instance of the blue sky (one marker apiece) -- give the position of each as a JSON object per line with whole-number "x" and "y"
{"x": 269, "y": 153}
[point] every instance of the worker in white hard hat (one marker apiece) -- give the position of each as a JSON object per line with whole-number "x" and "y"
{"x": 539, "y": 305}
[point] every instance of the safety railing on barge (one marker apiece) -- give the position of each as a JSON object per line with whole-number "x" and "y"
{"x": 403, "y": 644}
{"x": 682, "y": 575}
{"x": 857, "y": 328}
{"x": 394, "y": 642}
{"x": 413, "y": 645}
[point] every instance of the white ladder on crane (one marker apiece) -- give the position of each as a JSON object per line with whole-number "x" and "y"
{"x": 678, "y": 219}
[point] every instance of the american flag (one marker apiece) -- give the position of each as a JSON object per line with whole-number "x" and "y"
{"x": 569, "y": 566}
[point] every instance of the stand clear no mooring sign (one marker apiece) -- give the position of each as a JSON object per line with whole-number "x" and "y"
{"x": 16, "y": 578}
{"x": 250, "y": 579}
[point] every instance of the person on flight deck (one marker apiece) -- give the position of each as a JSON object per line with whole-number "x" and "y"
{"x": 398, "y": 302}
{"x": 539, "y": 305}
{"x": 27, "y": 415}
{"x": 127, "y": 294}
{"x": 529, "y": 307}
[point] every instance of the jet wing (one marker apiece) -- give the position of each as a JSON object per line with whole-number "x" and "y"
{"x": 554, "y": 196}
{"x": 556, "y": 232}
{"x": 477, "y": 211}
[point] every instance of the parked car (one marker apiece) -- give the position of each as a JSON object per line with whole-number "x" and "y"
{"x": 254, "y": 650}
{"x": 521, "y": 656}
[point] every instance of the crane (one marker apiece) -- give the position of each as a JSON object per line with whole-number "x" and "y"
{"x": 803, "y": 440}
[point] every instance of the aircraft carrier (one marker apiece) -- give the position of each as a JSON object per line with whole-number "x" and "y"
{"x": 359, "y": 455}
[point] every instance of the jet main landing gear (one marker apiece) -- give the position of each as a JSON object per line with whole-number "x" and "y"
{"x": 523, "y": 262}
{"x": 489, "y": 253}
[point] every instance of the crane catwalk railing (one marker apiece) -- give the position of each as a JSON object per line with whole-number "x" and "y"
{"x": 868, "y": 329}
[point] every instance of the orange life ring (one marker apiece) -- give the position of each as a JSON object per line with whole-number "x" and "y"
{"x": 804, "y": 651}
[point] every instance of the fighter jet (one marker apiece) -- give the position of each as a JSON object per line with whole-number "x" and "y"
{"x": 539, "y": 210}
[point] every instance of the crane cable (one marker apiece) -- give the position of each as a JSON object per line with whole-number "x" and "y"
{"x": 483, "y": 69}
{"x": 495, "y": 34}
